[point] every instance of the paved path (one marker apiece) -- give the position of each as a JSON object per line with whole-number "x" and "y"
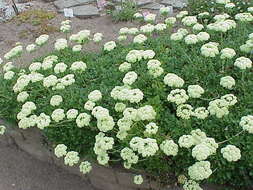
{"x": 19, "y": 171}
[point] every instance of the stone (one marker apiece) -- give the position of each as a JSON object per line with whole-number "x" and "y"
{"x": 105, "y": 173}
{"x": 61, "y": 4}
{"x": 85, "y": 11}
{"x": 143, "y": 2}
{"x": 153, "y": 6}
{"x": 175, "y": 3}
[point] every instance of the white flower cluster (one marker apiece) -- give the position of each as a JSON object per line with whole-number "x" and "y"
{"x": 31, "y": 47}
{"x": 2, "y": 129}
{"x": 26, "y": 110}
{"x": 243, "y": 63}
{"x": 109, "y": 46}
{"x": 125, "y": 67}
{"x": 65, "y": 26}
{"x": 72, "y": 113}
{"x": 164, "y": 10}
{"x": 189, "y": 20}
{"x": 95, "y": 96}
{"x": 102, "y": 145}
{"x": 200, "y": 170}
{"x": 58, "y": 115}
{"x": 130, "y": 78}
{"x": 140, "y": 39}
{"x": 184, "y": 111}
{"x": 124, "y": 93}
{"x": 85, "y": 167}
{"x": 138, "y": 179}
{"x": 244, "y": 17}
{"x": 227, "y": 53}
{"x": 42, "y": 39}
{"x": 200, "y": 113}
{"x": 71, "y": 158}
{"x": 97, "y": 37}
{"x": 60, "y": 68}
{"x": 104, "y": 120}
{"x": 9, "y": 75}
{"x": 170, "y": 20}
{"x": 178, "y": 96}
{"x": 146, "y": 147}
{"x": 169, "y": 147}
{"x": 154, "y": 68}
{"x": 61, "y": 44}
{"x": 150, "y": 17}
{"x": 78, "y": 66}
{"x": 81, "y": 37}
{"x": 137, "y": 55}
{"x": 128, "y": 155}
{"x": 14, "y": 52}
{"x": 210, "y": 49}
{"x": 247, "y": 123}
{"x": 222, "y": 25}
{"x": 56, "y": 100}
{"x": 60, "y": 150}
{"x": 248, "y": 46}
{"x": 231, "y": 153}
{"x": 151, "y": 128}
{"x": 172, "y": 80}
{"x": 191, "y": 185}
{"x": 227, "y": 82}
{"x": 195, "y": 91}
{"x": 83, "y": 119}
{"x": 182, "y": 14}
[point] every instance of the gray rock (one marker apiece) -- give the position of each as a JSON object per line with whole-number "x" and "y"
{"x": 143, "y": 2}
{"x": 85, "y": 11}
{"x": 61, "y": 4}
{"x": 175, "y": 3}
{"x": 153, "y": 6}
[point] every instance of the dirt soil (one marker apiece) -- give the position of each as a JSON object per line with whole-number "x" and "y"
{"x": 12, "y": 32}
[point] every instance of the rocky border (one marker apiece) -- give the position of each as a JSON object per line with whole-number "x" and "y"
{"x": 34, "y": 143}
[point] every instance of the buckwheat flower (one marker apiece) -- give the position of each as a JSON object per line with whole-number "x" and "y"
{"x": 153, "y": 63}
{"x": 14, "y": 52}
{"x": 47, "y": 64}
{"x": 138, "y": 179}
{"x": 31, "y": 47}
{"x": 156, "y": 72}
{"x": 181, "y": 14}
{"x": 138, "y": 15}
{"x": 133, "y": 31}
{"x": 150, "y": 17}
{"x": 108, "y": 46}
{"x": 103, "y": 159}
{"x": 140, "y": 39}
{"x": 56, "y": 100}
{"x": 83, "y": 119}
{"x": 200, "y": 170}
{"x": 130, "y": 78}
{"x": 246, "y": 48}
{"x": 89, "y": 105}
{"x": 100, "y": 112}
{"x": 184, "y": 111}
{"x": 198, "y": 27}
{"x": 22, "y": 96}
{"x": 43, "y": 121}
{"x": 35, "y": 66}
{"x": 97, "y": 37}
{"x": 160, "y": 27}
{"x": 85, "y": 167}
{"x": 201, "y": 152}
{"x": 8, "y": 66}
{"x": 191, "y": 185}
{"x": 61, "y": 44}
{"x": 123, "y": 31}
{"x": 148, "y": 54}
{"x": 148, "y": 28}
{"x": 195, "y": 91}
{"x": 58, "y": 115}
{"x": 146, "y": 113}
{"x": 170, "y": 20}
{"x": 227, "y": 82}
{"x": 229, "y": 5}
{"x": 9, "y": 75}
{"x": 60, "y": 68}
{"x": 250, "y": 9}
{"x": 189, "y": 20}
{"x": 231, "y": 153}
{"x": 125, "y": 67}
{"x": 151, "y": 128}
{"x": 183, "y": 31}
{"x": 134, "y": 95}
{"x": 95, "y": 96}
{"x": 77, "y": 48}
{"x": 227, "y": 53}
{"x": 130, "y": 113}
{"x": 60, "y": 150}
{"x": 244, "y": 17}
{"x": 42, "y": 39}
{"x": 169, "y": 147}
{"x": 1, "y": 61}
{"x": 71, "y": 158}
{"x": 72, "y": 113}
{"x": 164, "y": 10}
{"x": 218, "y": 107}
{"x": 176, "y": 36}
{"x": 2, "y": 129}
{"x": 243, "y": 63}
{"x": 121, "y": 135}
{"x": 198, "y": 136}
{"x": 134, "y": 56}
{"x": 78, "y": 66}
{"x": 67, "y": 80}
{"x": 49, "y": 81}
{"x": 191, "y": 39}
{"x": 247, "y": 123}
{"x": 172, "y": 80}
{"x": 120, "y": 107}
{"x": 203, "y": 14}
{"x": 128, "y": 155}
{"x": 65, "y": 28}
{"x": 178, "y": 96}
{"x": 122, "y": 37}
{"x": 124, "y": 124}
{"x": 222, "y": 1}
{"x": 209, "y": 50}
{"x": 230, "y": 99}
{"x": 201, "y": 113}
{"x": 221, "y": 17}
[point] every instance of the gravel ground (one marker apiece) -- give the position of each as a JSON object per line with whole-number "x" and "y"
{"x": 19, "y": 171}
